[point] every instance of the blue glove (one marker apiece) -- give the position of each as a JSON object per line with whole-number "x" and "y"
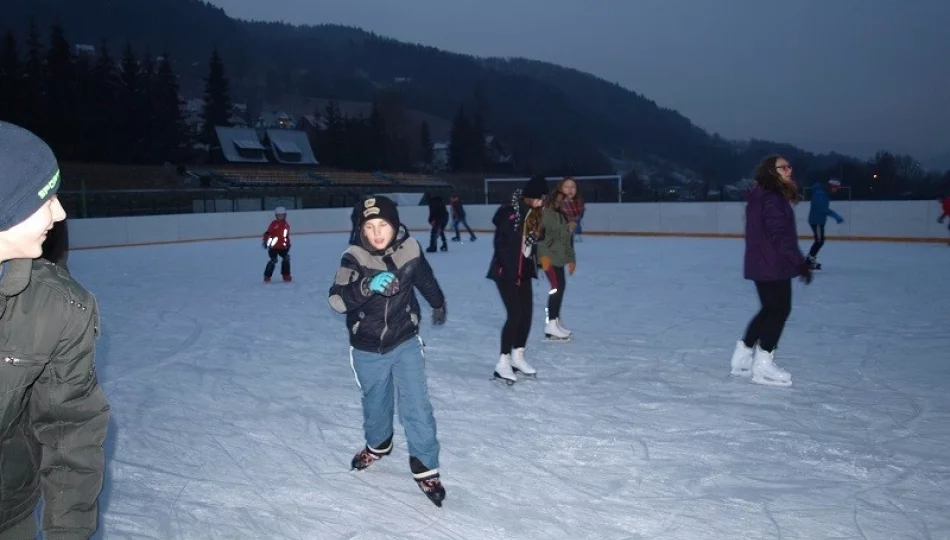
{"x": 840, "y": 221}
{"x": 384, "y": 283}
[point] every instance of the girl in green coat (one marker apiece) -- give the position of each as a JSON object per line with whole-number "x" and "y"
{"x": 555, "y": 252}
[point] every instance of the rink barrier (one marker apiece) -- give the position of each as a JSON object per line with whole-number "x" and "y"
{"x": 880, "y": 221}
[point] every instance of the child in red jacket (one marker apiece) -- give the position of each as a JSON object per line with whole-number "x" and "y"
{"x": 277, "y": 243}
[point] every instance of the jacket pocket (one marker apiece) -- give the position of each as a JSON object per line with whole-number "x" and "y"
{"x": 18, "y": 373}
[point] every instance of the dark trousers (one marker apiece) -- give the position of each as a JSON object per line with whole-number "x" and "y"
{"x": 518, "y": 302}
{"x": 438, "y": 231}
{"x": 819, "y": 232}
{"x": 558, "y": 283}
{"x": 767, "y": 325}
{"x": 463, "y": 221}
{"x": 284, "y": 255}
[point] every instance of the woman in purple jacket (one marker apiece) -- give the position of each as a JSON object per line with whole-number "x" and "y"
{"x": 772, "y": 259}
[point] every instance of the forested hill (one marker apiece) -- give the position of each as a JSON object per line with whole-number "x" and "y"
{"x": 554, "y": 118}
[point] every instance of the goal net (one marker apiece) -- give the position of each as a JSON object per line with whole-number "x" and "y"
{"x": 597, "y": 188}
{"x": 836, "y": 191}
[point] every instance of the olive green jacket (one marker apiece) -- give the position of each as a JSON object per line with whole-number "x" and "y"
{"x": 53, "y": 414}
{"x": 557, "y": 242}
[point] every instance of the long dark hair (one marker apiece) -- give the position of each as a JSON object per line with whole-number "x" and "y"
{"x": 767, "y": 177}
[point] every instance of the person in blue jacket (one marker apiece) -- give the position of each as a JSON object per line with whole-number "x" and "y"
{"x": 817, "y": 217}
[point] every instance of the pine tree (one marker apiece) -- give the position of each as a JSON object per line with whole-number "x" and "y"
{"x": 169, "y": 133}
{"x": 334, "y": 143}
{"x": 217, "y": 109}
{"x": 10, "y": 85}
{"x": 425, "y": 143}
{"x": 459, "y": 149}
{"x": 377, "y": 139}
{"x": 61, "y": 130}
{"x": 34, "y": 110}
{"x": 107, "y": 95}
{"x": 134, "y": 106}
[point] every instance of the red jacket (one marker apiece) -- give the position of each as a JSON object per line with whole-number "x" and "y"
{"x": 946, "y": 205}
{"x": 278, "y": 234}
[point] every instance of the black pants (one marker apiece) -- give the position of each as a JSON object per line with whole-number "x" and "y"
{"x": 819, "y": 231}
{"x": 558, "y": 283}
{"x": 767, "y": 325}
{"x": 463, "y": 221}
{"x": 272, "y": 263}
{"x": 518, "y": 302}
{"x": 438, "y": 230}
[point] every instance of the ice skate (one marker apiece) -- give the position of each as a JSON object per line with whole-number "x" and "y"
{"x": 428, "y": 481}
{"x": 553, "y": 332}
{"x": 367, "y": 456}
{"x": 504, "y": 372}
{"x": 742, "y": 359}
{"x": 433, "y": 489}
{"x": 813, "y": 263}
{"x": 520, "y": 365}
{"x": 288, "y": 277}
{"x": 765, "y": 372}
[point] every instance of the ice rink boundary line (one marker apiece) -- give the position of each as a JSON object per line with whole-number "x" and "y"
{"x": 803, "y": 237}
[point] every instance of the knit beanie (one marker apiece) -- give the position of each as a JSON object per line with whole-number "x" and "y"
{"x": 382, "y": 208}
{"x": 535, "y": 188}
{"x": 29, "y": 174}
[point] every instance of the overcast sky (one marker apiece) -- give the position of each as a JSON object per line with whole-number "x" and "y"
{"x": 849, "y": 75}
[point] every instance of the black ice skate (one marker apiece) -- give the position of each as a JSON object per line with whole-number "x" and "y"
{"x": 433, "y": 489}
{"x": 428, "y": 481}
{"x": 367, "y": 456}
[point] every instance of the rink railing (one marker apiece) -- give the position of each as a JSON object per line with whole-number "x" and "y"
{"x": 902, "y": 221}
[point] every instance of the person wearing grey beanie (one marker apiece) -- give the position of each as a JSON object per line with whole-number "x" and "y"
{"x": 53, "y": 414}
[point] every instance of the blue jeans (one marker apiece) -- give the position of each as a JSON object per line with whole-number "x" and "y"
{"x": 402, "y": 368}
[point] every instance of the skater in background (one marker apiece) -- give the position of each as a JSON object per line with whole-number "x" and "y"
{"x": 54, "y": 416}
{"x": 56, "y": 246}
{"x": 513, "y": 266}
{"x": 438, "y": 220}
{"x": 555, "y": 253}
{"x": 276, "y": 241}
{"x": 817, "y": 218}
{"x": 572, "y": 206}
{"x": 772, "y": 259}
{"x": 945, "y": 209}
{"x": 458, "y": 217}
{"x": 374, "y": 288}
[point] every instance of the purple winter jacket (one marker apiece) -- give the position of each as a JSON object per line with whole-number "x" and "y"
{"x": 771, "y": 237}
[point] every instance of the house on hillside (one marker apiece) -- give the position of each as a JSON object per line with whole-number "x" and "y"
{"x": 440, "y": 155}
{"x": 275, "y": 120}
{"x": 239, "y": 145}
{"x": 289, "y": 147}
{"x": 498, "y": 153}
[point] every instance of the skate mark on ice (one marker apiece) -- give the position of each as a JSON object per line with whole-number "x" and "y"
{"x": 158, "y": 360}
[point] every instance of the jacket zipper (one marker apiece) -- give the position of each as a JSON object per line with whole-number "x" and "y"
{"x": 385, "y": 325}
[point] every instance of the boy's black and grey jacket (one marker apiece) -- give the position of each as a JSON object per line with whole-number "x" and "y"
{"x": 53, "y": 414}
{"x": 378, "y": 323}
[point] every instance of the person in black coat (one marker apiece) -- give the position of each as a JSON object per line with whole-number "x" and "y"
{"x": 513, "y": 266}
{"x": 439, "y": 220}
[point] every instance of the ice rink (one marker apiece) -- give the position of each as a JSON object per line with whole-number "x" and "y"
{"x": 235, "y": 412}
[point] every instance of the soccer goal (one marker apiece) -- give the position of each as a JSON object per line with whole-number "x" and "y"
{"x": 596, "y": 188}
{"x": 836, "y": 191}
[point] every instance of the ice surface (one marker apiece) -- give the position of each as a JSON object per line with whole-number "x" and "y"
{"x": 235, "y": 411}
